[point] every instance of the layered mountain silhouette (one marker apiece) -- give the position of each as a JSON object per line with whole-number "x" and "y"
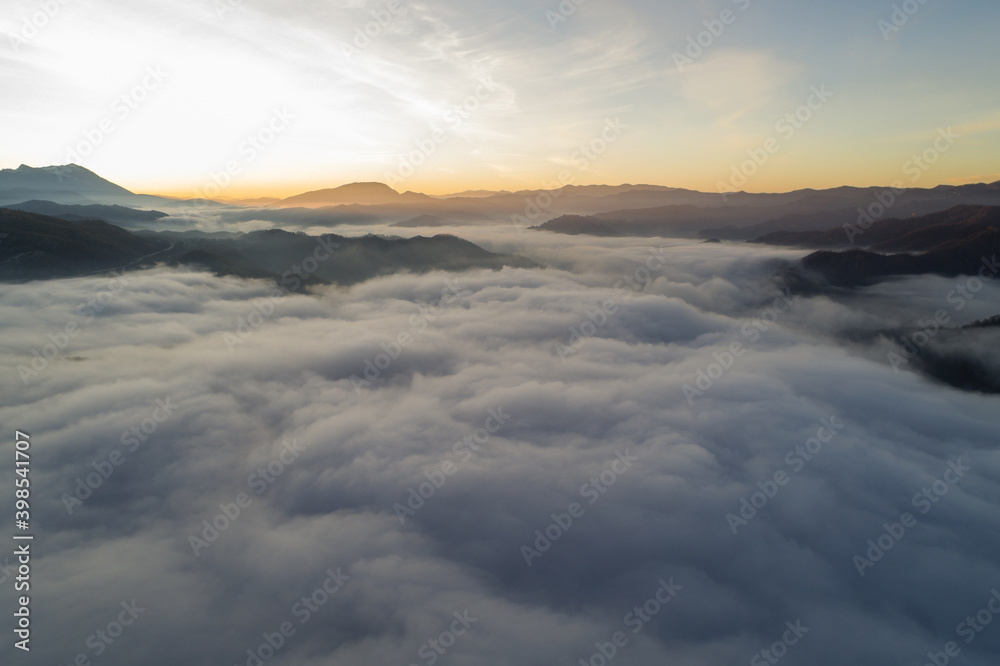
{"x": 895, "y": 234}
{"x": 114, "y": 214}
{"x": 606, "y": 210}
{"x": 34, "y": 247}
{"x": 426, "y": 221}
{"x": 744, "y": 216}
{"x": 64, "y": 221}
{"x": 959, "y": 241}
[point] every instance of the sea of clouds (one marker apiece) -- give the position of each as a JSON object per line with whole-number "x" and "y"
{"x": 647, "y": 452}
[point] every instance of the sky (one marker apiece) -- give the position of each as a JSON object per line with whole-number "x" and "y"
{"x": 276, "y": 97}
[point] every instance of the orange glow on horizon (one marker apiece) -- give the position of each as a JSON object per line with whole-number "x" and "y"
{"x": 285, "y": 191}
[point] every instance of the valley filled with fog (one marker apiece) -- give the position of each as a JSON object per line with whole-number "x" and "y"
{"x": 638, "y": 450}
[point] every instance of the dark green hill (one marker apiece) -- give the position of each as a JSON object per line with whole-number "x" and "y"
{"x": 964, "y": 256}
{"x": 959, "y": 241}
{"x": 912, "y": 234}
{"x": 350, "y": 260}
{"x": 41, "y": 247}
{"x": 112, "y": 214}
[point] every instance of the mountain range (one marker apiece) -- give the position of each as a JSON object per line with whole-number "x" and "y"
{"x": 939, "y": 230}
{"x": 745, "y": 216}
{"x": 71, "y": 224}
{"x": 635, "y": 210}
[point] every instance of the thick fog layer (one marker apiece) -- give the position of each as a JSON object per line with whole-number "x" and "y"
{"x": 645, "y": 453}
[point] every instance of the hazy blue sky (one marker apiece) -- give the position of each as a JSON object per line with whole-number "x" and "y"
{"x": 225, "y": 69}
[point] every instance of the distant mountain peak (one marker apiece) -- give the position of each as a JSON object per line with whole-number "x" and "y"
{"x": 354, "y": 193}
{"x": 57, "y": 169}
{"x": 363, "y": 187}
{"x": 58, "y": 178}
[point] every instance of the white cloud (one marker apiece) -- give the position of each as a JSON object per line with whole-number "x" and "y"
{"x": 496, "y": 347}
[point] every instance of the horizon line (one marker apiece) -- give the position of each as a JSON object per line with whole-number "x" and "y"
{"x": 186, "y": 193}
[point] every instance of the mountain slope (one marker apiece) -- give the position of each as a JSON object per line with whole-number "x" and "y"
{"x": 964, "y": 240}
{"x": 58, "y": 179}
{"x": 913, "y": 234}
{"x": 115, "y": 214}
{"x": 347, "y": 260}
{"x": 71, "y": 184}
{"x": 354, "y": 193}
{"x": 743, "y": 216}
{"x": 39, "y": 247}
{"x": 425, "y": 221}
